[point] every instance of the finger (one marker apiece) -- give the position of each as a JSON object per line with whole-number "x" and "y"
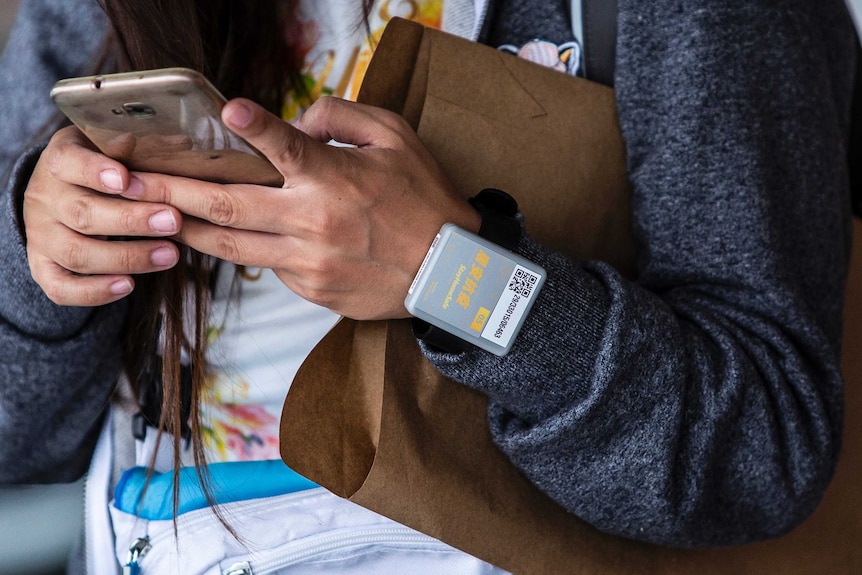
{"x": 65, "y": 288}
{"x": 242, "y": 247}
{"x": 97, "y": 215}
{"x": 289, "y": 149}
{"x": 86, "y": 255}
{"x": 70, "y": 157}
{"x": 331, "y": 118}
{"x": 245, "y": 206}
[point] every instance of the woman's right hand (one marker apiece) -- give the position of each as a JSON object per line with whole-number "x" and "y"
{"x": 73, "y": 215}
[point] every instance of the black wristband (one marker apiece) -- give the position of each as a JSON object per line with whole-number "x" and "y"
{"x": 498, "y": 210}
{"x": 499, "y": 225}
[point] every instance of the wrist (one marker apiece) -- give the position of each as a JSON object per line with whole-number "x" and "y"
{"x": 481, "y": 271}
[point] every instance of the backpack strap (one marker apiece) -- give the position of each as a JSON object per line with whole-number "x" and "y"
{"x": 854, "y": 147}
{"x": 599, "y": 40}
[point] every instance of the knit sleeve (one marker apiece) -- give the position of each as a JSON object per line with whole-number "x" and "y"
{"x": 700, "y": 404}
{"x": 59, "y": 364}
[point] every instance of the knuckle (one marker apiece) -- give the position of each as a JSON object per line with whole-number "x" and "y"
{"x": 81, "y": 215}
{"x": 127, "y": 260}
{"x": 90, "y": 297}
{"x": 55, "y": 291}
{"x": 394, "y": 122}
{"x": 160, "y": 189}
{"x": 53, "y": 294}
{"x": 127, "y": 221}
{"x": 228, "y": 247}
{"x": 292, "y": 148}
{"x": 53, "y": 159}
{"x": 318, "y": 295}
{"x": 222, "y": 210}
{"x": 322, "y": 106}
{"x": 322, "y": 224}
{"x": 327, "y": 269}
{"x": 318, "y": 274}
{"x": 73, "y": 257}
{"x": 58, "y": 152}
{"x": 328, "y": 105}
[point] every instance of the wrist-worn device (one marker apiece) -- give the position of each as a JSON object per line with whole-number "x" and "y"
{"x": 474, "y": 290}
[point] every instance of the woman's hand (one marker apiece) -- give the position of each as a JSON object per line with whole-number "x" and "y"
{"x": 72, "y": 209}
{"x": 351, "y": 225}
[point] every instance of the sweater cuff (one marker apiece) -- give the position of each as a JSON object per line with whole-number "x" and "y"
{"x": 553, "y": 359}
{"x": 22, "y": 302}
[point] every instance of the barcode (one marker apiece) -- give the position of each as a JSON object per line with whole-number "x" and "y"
{"x": 523, "y": 282}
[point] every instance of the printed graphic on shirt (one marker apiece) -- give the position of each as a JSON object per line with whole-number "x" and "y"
{"x": 564, "y": 58}
{"x": 237, "y": 432}
{"x": 336, "y": 44}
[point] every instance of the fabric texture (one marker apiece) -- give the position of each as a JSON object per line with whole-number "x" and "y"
{"x": 701, "y": 403}
{"x": 697, "y": 405}
{"x": 66, "y": 359}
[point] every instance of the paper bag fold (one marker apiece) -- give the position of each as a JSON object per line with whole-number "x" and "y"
{"x": 370, "y": 419}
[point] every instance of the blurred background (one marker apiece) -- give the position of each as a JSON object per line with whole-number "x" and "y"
{"x": 39, "y": 524}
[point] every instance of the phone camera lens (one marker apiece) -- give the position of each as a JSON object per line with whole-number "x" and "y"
{"x": 138, "y": 110}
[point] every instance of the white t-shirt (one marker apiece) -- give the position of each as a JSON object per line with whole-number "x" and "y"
{"x": 260, "y": 335}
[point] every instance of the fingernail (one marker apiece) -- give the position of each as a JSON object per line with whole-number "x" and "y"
{"x": 163, "y": 221}
{"x": 121, "y": 287}
{"x": 163, "y": 257}
{"x": 239, "y": 116}
{"x": 112, "y": 180}
{"x": 135, "y": 189}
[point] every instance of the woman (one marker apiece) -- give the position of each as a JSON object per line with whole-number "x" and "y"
{"x": 697, "y": 405}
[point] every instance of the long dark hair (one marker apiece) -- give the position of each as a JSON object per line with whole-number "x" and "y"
{"x": 240, "y": 47}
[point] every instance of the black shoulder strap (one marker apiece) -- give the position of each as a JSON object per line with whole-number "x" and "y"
{"x": 854, "y": 148}
{"x": 599, "y": 21}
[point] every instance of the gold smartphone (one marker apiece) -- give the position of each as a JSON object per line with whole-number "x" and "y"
{"x": 166, "y": 121}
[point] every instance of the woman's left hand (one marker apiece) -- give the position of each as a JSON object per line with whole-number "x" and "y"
{"x": 350, "y": 226}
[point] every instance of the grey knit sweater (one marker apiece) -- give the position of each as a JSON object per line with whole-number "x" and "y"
{"x": 698, "y": 405}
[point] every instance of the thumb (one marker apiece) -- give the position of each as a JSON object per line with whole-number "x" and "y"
{"x": 331, "y": 118}
{"x": 286, "y": 147}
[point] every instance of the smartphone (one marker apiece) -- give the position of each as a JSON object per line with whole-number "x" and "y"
{"x": 166, "y": 121}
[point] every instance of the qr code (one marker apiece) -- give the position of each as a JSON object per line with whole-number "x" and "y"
{"x": 523, "y": 282}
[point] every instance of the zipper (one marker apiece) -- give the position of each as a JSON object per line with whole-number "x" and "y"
{"x": 137, "y": 550}
{"x": 190, "y": 520}
{"x": 295, "y": 552}
{"x": 204, "y": 515}
{"x": 238, "y": 569}
{"x": 85, "y": 543}
{"x": 269, "y": 561}
{"x": 287, "y": 554}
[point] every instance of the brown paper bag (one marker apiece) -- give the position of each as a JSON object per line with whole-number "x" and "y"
{"x": 370, "y": 419}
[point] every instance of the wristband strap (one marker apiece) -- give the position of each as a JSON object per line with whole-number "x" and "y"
{"x": 498, "y": 210}
{"x": 499, "y": 225}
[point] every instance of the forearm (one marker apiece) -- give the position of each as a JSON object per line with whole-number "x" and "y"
{"x": 701, "y": 404}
